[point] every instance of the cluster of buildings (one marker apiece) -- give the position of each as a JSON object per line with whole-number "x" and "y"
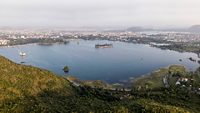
{"x": 126, "y": 36}
{"x": 24, "y": 34}
{"x": 187, "y": 82}
{"x": 182, "y": 37}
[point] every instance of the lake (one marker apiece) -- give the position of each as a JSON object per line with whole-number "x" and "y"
{"x": 112, "y": 65}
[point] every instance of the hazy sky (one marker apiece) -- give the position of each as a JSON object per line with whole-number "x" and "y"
{"x": 78, "y": 13}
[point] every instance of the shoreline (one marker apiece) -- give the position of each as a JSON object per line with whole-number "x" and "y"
{"x": 149, "y": 44}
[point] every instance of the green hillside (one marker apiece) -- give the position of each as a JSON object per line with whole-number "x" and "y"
{"x": 20, "y": 87}
{"x": 25, "y": 89}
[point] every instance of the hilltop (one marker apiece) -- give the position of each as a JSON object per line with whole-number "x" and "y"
{"x": 25, "y": 89}
{"x": 194, "y": 29}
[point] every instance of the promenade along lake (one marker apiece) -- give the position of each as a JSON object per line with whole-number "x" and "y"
{"x": 122, "y": 61}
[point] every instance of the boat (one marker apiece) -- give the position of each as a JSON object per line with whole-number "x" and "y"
{"x": 22, "y": 53}
{"x": 103, "y": 45}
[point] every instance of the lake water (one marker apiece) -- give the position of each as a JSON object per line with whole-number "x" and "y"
{"x": 112, "y": 65}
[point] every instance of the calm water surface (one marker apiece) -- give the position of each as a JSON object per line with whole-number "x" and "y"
{"x": 115, "y": 64}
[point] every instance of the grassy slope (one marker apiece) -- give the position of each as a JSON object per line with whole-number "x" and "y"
{"x": 155, "y": 79}
{"x": 19, "y": 83}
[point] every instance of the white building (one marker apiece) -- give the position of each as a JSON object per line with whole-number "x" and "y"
{"x": 4, "y": 42}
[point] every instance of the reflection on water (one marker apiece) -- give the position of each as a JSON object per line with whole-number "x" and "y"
{"x": 115, "y": 64}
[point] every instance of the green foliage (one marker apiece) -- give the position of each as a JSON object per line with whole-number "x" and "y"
{"x": 182, "y": 47}
{"x": 155, "y": 107}
{"x": 154, "y": 80}
{"x": 40, "y": 41}
{"x": 18, "y": 83}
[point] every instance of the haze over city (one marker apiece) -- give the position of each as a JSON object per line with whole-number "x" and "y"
{"x": 100, "y": 13}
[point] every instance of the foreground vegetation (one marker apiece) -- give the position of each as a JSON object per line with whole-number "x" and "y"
{"x": 26, "y": 89}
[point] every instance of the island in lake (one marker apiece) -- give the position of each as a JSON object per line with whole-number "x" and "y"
{"x": 103, "y": 45}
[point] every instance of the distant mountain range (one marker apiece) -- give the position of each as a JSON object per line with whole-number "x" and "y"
{"x": 192, "y": 29}
{"x": 139, "y": 29}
